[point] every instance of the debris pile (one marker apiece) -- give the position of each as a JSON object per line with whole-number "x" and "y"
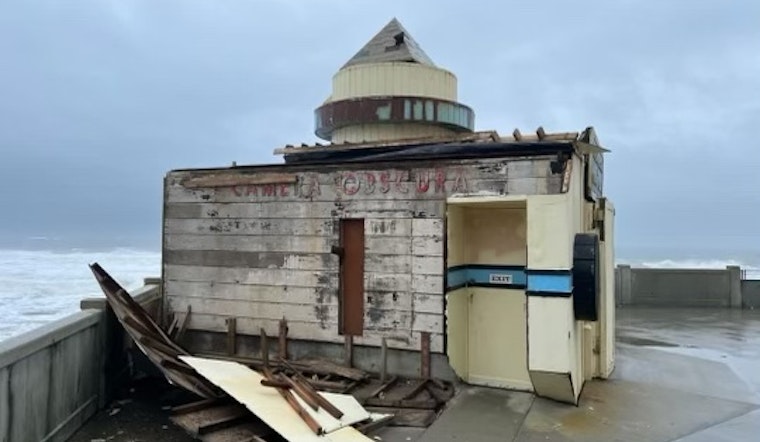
{"x": 247, "y": 399}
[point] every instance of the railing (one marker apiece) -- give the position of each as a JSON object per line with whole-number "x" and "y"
{"x": 750, "y": 274}
{"x": 53, "y": 378}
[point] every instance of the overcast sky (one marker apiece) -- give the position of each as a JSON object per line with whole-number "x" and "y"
{"x": 100, "y": 98}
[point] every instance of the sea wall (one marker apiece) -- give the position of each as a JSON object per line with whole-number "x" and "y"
{"x": 54, "y": 378}
{"x": 679, "y": 287}
{"x": 751, "y": 293}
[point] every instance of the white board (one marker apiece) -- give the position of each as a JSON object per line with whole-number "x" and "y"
{"x": 244, "y": 385}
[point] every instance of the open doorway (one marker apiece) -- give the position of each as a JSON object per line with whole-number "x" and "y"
{"x": 486, "y": 301}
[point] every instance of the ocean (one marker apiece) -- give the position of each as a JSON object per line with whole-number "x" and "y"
{"x": 38, "y": 286}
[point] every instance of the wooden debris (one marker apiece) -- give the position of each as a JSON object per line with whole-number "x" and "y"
{"x": 214, "y": 421}
{"x": 384, "y": 359}
{"x": 283, "y": 339}
{"x": 417, "y": 389}
{"x": 231, "y": 336}
{"x": 330, "y": 408}
{"x": 384, "y": 386}
{"x": 288, "y": 396}
{"x": 425, "y": 355}
{"x": 349, "y": 351}
{"x": 264, "y": 348}
{"x": 182, "y": 324}
{"x": 150, "y": 338}
{"x": 374, "y": 425}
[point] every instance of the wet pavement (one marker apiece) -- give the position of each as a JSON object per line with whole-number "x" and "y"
{"x": 685, "y": 375}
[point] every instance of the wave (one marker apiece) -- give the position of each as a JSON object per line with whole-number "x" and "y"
{"x": 39, "y": 286}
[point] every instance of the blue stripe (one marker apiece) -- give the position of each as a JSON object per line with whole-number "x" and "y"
{"x": 536, "y": 282}
{"x": 456, "y": 277}
{"x": 486, "y": 276}
{"x": 559, "y": 282}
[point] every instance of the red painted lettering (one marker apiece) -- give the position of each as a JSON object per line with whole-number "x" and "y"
{"x": 385, "y": 181}
{"x": 268, "y": 190}
{"x": 423, "y": 181}
{"x": 369, "y": 183}
{"x": 401, "y": 178}
{"x": 284, "y": 190}
{"x": 351, "y": 185}
{"x": 236, "y": 190}
{"x": 251, "y": 190}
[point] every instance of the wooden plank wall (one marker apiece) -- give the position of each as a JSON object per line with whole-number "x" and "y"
{"x": 255, "y": 243}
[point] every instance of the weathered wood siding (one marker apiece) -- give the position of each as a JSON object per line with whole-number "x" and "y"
{"x": 254, "y": 243}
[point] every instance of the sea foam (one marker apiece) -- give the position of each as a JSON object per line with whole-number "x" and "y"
{"x": 37, "y": 287}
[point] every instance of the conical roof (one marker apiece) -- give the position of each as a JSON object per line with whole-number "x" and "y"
{"x": 392, "y": 43}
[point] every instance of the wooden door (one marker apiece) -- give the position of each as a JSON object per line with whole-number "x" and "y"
{"x": 498, "y": 339}
{"x": 352, "y": 277}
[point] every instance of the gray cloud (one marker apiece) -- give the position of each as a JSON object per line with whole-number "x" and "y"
{"x": 101, "y": 98}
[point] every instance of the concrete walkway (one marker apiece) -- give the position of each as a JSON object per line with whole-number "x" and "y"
{"x": 682, "y": 375}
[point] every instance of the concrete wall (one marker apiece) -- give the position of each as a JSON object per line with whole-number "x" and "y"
{"x": 678, "y": 287}
{"x": 751, "y": 294}
{"x": 54, "y": 378}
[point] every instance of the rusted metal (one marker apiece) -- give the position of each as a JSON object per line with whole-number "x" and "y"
{"x": 398, "y": 109}
{"x": 425, "y": 355}
{"x": 352, "y": 276}
{"x": 321, "y": 401}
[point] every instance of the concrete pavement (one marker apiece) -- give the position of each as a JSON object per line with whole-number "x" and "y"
{"x": 687, "y": 375}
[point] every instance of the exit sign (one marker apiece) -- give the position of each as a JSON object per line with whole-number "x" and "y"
{"x": 500, "y": 278}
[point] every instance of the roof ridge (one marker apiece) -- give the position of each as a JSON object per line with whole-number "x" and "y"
{"x": 392, "y": 43}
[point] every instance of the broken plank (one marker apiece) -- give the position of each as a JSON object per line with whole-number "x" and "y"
{"x": 384, "y": 386}
{"x": 193, "y": 406}
{"x": 319, "y": 366}
{"x": 231, "y": 336}
{"x": 330, "y": 408}
{"x": 232, "y": 418}
{"x": 417, "y": 389}
{"x": 424, "y": 404}
{"x": 282, "y": 347}
{"x": 375, "y": 424}
{"x": 182, "y": 326}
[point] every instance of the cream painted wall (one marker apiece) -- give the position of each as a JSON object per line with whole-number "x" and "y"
{"x": 487, "y": 327}
{"x": 551, "y": 330}
{"x": 607, "y": 323}
{"x": 498, "y": 339}
{"x": 495, "y": 236}
{"x": 455, "y": 235}
{"x": 550, "y": 232}
{"x": 388, "y": 131}
{"x": 397, "y": 78}
{"x": 457, "y": 332}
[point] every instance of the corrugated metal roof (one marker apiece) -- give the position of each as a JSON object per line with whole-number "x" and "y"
{"x": 392, "y": 43}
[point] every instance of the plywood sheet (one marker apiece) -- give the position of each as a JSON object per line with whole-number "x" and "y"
{"x": 244, "y": 385}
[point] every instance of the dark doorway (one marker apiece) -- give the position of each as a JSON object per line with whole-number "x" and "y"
{"x": 352, "y": 277}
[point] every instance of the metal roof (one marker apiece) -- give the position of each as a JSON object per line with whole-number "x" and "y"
{"x": 392, "y": 43}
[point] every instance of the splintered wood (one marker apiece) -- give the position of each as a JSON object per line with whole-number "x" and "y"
{"x": 304, "y": 400}
{"x": 277, "y": 408}
{"x": 150, "y": 338}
